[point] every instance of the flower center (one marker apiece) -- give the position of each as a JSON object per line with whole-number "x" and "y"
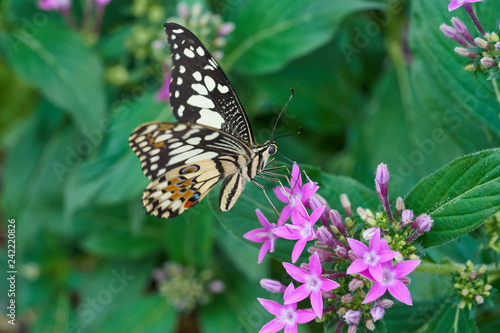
{"x": 288, "y": 316}
{"x": 371, "y": 258}
{"x": 306, "y": 231}
{"x": 387, "y": 277}
{"x": 313, "y": 282}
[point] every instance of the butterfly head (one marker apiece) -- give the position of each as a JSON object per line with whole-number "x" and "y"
{"x": 272, "y": 147}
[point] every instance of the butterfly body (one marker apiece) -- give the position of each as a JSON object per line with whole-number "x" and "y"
{"x": 213, "y": 140}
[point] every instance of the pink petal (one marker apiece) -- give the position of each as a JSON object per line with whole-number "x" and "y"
{"x": 357, "y": 247}
{"x": 357, "y": 266}
{"x": 271, "y": 306}
{"x": 315, "y": 265}
{"x": 263, "y": 250}
{"x": 256, "y": 235}
{"x": 375, "y": 292}
{"x": 291, "y": 328}
{"x": 308, "y": 190}
{"x": 316, "y": 214}
{"x": 301, "y": 210}
{"x": 400, "y": 292}
{"x": 404, "y": 268}
{"x": 374, "y": 244}
{"x": 282, "y": 193}
{"x": 262, "y": 219}
{"x": 387, "y": 255}
{"x": 383, "y": 245}
{"x": 287, "y": 232}
{"x": 317, "y": 302}
{"x": 366, "y": 274}
{"x": 296, "y": 179}
{"x": 376, "y": 272}
{"x": 273, "y": 326}
{"x": 298, "y": 248}
{"x": 297, "y": 273}
{"x": 288, "y": 291}
{"x": 304, "y": 316}
{"x": 327, "y": 285}
{"x": 298, "y": 295}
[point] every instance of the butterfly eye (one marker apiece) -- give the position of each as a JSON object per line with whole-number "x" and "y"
{"x": 272, "y": 149}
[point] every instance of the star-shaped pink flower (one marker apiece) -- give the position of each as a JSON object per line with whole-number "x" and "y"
{"x": 371, "y": 257}
{"x": 263, "y": 235}
{"x": 287, "y": 316}
{"x": 390, "y": 280}
{"x": 303, "y": 231}
{"x": 297, "y": 193}
{"x": 454, "y": 4}
{"x": 313, "y": 284}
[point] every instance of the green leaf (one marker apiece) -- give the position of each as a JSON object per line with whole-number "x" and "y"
{"x": 459, "y": 197}
{"x": 494, "y": 76}
{"x": 451, "y": 319}
{"x": 149, "y": 314}
{"x": 437, "y": 71}
{"x": 270, "y": 34}
{"x": 69, "y": 74}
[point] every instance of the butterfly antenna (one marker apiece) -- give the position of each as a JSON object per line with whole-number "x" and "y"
{"x": 279, "y": 115}
{"x": 284, "y": 135}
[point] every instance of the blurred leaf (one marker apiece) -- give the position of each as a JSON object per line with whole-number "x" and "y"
{"x": 58, "y": 63}
{"x": 150, "y": 314}
{"x": 412, "y": 318}
{"x": 189, "y": 238}
{"x": 116, "y": 239}
{"x": 451, "y": 319}
{"x": 57, "y": 315}
{"x": 437, "y": 73}
{"x": 107, "y": 286}
{"x": 459, "y": 197}
{"x": 270, "y": 34}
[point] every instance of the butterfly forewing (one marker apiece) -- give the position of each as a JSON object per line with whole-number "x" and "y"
{"x": 200, "y": 91}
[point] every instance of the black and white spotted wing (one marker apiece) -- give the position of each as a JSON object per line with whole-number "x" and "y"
{"x": 200, "y": 92}
{"x": 212, "y": 141}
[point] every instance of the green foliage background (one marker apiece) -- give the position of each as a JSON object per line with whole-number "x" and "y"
{"x": 374, "y": 81}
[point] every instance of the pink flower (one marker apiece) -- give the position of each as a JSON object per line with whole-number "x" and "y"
{"x": 102, "y": 2}
{"x": 371, "y": 258}
{"x": 164, "y": 93}
{"x": 287, "y": 316}
{"x": 263, "y": 235}
{"x": 352, "y": 317}
{"x": 59, "y": 5}
{"x": 313, "y": 284}
{"x": 454, "y": 4}
{"x": 303, "y": 231}
{"x": 297, "y": 193}
{"x": 391, "y": 280}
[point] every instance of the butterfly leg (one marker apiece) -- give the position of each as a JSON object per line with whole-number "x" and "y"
{"x": 265, "y": 193}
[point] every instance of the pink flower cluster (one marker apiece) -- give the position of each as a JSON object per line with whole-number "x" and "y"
{"x": 359, "y": 267}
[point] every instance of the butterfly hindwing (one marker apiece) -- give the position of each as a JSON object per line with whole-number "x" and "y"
{"x": 200, "y": 92}
{"x": 184, "y": 162}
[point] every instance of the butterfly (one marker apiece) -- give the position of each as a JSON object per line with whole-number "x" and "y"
{"x": 212, "y": 140}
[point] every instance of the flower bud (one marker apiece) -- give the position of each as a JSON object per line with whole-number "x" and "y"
{"x": 482, "y": 43}
{"x": 451, "y": 33}
{"x": 479, "y": 299}
{"x": 183, "y": 10}
{"x": 226, "y": 29}
{"x": 323, "y": 235}
{"x": 352, "y": 317}
{"x": 406, "y": 280}
{"x": 362, "y": 213}
{"x": 472, "y": 275}
{"x": 346, "y": 204}
{"x": 341, "y": 252}
{"x": 216, "y": 286}
{"x": 352, "y": 256}
{"x": 329, "y": 294}
{"x": 347, "y": 298}
{"x": 461, "y": 28}
{"x": 424, "y": 223}
{"x": 481, "y": 270}
{"x": 464, "y": 53}
{"x": 377, "y": 312}
{"x": 368, "y": 233}
{"x": 352, "y": 328}
{"x": 272, "y": 286}
{"x": 400, "y": 205}
{"x": 369, "y": 324}
{"x": 336, "y": 220}
{"x": 386, "y": 303}
{"x": 356, "y": 284}
{"x": 488, "y": 62}
{"x": 406, "y": 217}
{"x": 342, "y": 311}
